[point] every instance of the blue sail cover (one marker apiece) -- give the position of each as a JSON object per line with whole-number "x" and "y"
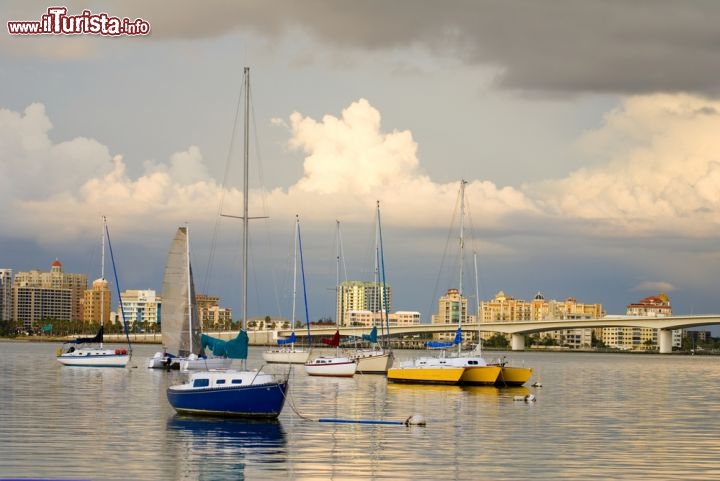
{"x": 97, "y": 339}
{"x": 372, "y": 337}
{"x": 235, "y": 348}
{"x": 443, "y": 345}
{"x": 289, "y": 340}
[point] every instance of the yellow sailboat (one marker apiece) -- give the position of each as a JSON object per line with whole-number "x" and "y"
{"x": 469, "y": 369}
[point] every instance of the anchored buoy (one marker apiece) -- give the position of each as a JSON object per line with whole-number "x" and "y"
{"x": 415, "y": 420}
{"x": 527, "y": 398}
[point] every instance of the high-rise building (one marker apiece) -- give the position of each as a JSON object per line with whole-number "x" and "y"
{"x": 48, "y": 295}
{"x": 6, "y": 307}
{"x": 96, "y": 302}
{"x": 452, "y": 309}
{"x": 361, "y": 296}
{"x": 139, "y": 306}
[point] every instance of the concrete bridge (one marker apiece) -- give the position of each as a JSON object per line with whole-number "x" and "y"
{"x": 519, "y": 329}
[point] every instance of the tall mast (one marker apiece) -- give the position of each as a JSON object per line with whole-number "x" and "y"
{"x": 189, "y": 294}
{"x": 102, "y": 277}
{"x": 477, "y": 300}
{"x": 340, "y": 321}
{"x": 462, "y": 253}
{"x": 246, "y": 183}
{"x": 297, "y": 233}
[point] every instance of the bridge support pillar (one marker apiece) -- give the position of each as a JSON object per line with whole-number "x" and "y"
{"x": 665, "y": 341}
{"x": 518, "y": 342}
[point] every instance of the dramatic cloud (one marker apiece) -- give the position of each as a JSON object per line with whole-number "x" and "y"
{"x": 660, "y": 175}
{"x": 562, "y": 47}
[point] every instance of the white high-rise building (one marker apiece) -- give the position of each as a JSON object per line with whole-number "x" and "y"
{"x": 361, "y": 296}
{"x": 6, "y": 308}
{"x": 139, "y": 306}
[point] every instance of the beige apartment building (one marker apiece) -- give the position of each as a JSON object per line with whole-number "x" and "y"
{"x": 641, "y": 338}
{"x": 395, "y": 319}
{"x": 96, "y": 302}
{"x": 38, "y": 295}
{"x": 503, "y": 308}
{"x": 211, "y": 314}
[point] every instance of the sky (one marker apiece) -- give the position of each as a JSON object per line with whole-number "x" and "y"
{"x": 586, "y": 133}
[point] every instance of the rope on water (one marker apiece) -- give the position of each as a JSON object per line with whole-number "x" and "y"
{"x": 414, "y": 420}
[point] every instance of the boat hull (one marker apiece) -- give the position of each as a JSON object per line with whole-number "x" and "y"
{"x": 95, "y": 358}
{"x": 331, "y": 367}
{"x": 426, "y": 375}
{"x": 373, "y": 362}
{"x": 513, "y": 376}
{"x": 286, "y": 356}
{"x": 480, "y": 375}
{"x": 265, "y": 400}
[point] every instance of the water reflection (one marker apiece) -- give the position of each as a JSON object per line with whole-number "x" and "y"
{"x": 213, "y": 449}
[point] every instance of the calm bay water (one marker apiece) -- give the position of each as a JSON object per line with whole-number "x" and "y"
{"x": 597, "y": 416}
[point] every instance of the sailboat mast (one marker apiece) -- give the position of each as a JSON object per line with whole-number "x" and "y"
{"x": 378, "y": 285}
{"x": 477, "y": 300}
{"x": 189, "y": 294}
{"x": 338, "y": 297}
{"x": 102, "y": 277}
{"x": 297, "y": 233}
{"x": 386, "y": 327}
{"x": 246, "y": 183}
{"x": 462, "y": 252}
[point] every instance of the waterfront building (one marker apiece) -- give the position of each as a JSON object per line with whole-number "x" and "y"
{"x": 49, "y": 295}
{"x": 641, "y": 338}
{"x": 365, "y": 318}
{"x": 212, "y": 316}
{"x": 361, "y": 296}
{"x": 6, "y": 307}
{"x": 139, "y": 307}
{"x": 504, "y": 308}
{"x": 96, "y": 302}
{"x": 453, "y": 308}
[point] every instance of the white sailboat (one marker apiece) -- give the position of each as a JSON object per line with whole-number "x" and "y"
{"x": 332, "y": 366}
{"x": 92, "y": 353}
{"x": 180, "y": 323}
{"x": 286, "y": 351}
{"x": 378, "y": 358}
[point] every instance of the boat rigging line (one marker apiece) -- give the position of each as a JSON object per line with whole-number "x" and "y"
{"x": 414, "y": 420}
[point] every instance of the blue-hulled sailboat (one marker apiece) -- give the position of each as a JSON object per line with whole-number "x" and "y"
{"x": 233, "y": 393}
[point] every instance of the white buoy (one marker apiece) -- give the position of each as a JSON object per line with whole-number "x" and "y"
{"x": 527, "y": 398}
{"x": 415, "y": 420}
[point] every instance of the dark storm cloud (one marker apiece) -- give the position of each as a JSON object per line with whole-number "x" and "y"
{"x": 561, "y": 47}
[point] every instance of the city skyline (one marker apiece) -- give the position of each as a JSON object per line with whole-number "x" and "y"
{"x": 589, "y": 147}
